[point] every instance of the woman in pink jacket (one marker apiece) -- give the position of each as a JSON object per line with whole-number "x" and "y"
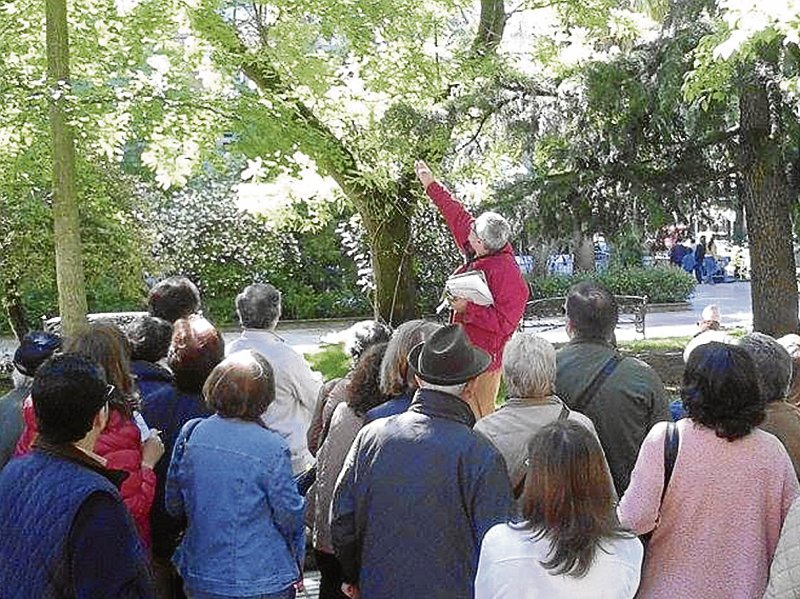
{"x": 717, "y": 526}
{"x": 120, "y": 443}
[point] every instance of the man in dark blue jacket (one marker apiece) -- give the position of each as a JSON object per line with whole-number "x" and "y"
{"x": 419, "y": 490}
{"x": 66, "y": 532}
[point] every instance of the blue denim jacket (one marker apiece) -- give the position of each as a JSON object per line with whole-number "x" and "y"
{"x": 233, "y": 481}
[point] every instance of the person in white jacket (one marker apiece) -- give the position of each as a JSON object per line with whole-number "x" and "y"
{"x": 296, "y": 385}
{"x": 569, "y": 544}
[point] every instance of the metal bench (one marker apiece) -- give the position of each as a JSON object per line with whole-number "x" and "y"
{"x": 547, "y": 314}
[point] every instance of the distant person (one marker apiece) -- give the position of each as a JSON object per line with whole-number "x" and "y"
{"x": 710, "y": 320}
{"x": 774, "y": 368}
{"x": 729, "y": 493}
{"x": 622, "y": 396}
{"x": 529, "y": 370}
{"x": 419, "y": 490}
{"x": 33, "y": 350}
{"x": 231, "y": 478}
{"x": 563, "y": 547}
{"x": 173, "y": 298}
{"x": 699, "y": 259}
{"x": 397, "y": 380}
{"x": 296, "y": 385}
{"x": 484, "y": 242}
{"x": 66, "y": 532}
{"x": 676, "y": 254}
{"x": 362, "y": 336}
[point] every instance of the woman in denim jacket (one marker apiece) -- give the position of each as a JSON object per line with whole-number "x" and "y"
{"x": 231, "y": 478}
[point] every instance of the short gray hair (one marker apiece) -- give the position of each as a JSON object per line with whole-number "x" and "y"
{"x": 529, "y": 366}
{"x": 259, "y": 306}
{"x": 493, "y": 230}
{"x": 773, "y": 365}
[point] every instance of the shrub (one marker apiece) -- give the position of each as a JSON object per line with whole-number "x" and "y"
{"x": 665, "y": 284}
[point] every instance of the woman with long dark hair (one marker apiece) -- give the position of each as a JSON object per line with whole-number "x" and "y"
{"x": 569, "y": 542}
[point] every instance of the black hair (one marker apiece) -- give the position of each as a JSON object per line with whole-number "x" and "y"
{"x": 592, "y": 310}
{"x": 68, "y": 391}
{"x": 721, "y": 390}
{"x": 173, "y": 298}
{"x": 149, "y": 337}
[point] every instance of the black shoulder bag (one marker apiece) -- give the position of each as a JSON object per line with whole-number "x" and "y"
{"x": 581, "y": 403}
{"x": 671, "y": 442}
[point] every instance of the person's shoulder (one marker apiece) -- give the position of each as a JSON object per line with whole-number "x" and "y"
{"x": 627, "y": 549}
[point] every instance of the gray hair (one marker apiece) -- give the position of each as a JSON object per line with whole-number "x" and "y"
{"x": 773, "y": 364}
{"x": 457, "y": 390}
{"x": 394, "y": 377}
{"x": 493, "y": 230}
{"x": 529, "y": 366}
{"x": 259, "y": 306}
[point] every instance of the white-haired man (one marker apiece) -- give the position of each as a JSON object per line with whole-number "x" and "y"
{"x": 485, "y": 243}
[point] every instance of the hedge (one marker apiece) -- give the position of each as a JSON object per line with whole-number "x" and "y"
{"x": 662, "y": 284}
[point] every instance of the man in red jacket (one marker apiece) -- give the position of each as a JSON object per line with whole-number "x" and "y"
{"x": 484, "y": 242}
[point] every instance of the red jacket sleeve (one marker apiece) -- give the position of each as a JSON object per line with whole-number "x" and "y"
{"x": 458, "y": 220}
{"x": 29, "y": 429}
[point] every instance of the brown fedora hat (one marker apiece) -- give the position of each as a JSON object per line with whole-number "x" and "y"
{"x": 448, "y": 357}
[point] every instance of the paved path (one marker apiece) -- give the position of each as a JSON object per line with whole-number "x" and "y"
{"x": 733, "y": 300}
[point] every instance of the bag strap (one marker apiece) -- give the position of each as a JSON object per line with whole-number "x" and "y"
{"x": 671, "y": 441}
{"x": 589, "y": 394}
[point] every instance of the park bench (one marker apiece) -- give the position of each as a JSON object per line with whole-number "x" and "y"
{"x": 121, "y": 319}
{"x": 547, "y": 314}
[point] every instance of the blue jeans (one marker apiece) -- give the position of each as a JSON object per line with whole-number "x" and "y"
{"x": 284, "y": 594}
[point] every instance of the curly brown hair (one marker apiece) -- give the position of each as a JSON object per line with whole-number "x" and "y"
{"x": 363, "y": 392}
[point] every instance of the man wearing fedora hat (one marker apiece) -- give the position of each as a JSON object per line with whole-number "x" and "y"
{"x": 419, "y": 490}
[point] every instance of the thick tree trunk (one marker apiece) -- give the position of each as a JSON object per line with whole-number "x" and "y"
{"x": 69, "y": 265}
{"x": 392, "y": 266}
{"x": 765, "y": 192}
{"x": 584, "y": 251}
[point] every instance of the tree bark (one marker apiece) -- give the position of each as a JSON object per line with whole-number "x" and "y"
{"x": 69, "y": 264}
{"x": 15, "y": 312}
{"x": 584, "y": 250}
{"x": 765, "y": 191}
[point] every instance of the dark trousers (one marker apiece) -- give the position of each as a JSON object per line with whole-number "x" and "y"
{"x": 698, "y": 271}
{"x": 330, "y": 570}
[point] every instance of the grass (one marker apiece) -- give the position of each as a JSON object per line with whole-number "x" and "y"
{"x": 330, "y": 360}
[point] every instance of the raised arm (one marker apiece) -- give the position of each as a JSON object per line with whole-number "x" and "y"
{"x": 459, "y": 221}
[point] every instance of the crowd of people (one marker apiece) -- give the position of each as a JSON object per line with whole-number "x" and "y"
{"x": 154, "y": 461}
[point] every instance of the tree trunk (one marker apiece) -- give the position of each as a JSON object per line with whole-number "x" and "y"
{"x": 584, "y": 251}
{"x": 766, "y": 197}
{"x": 392, "y": 265}
{"x": 15, "y": 312}
{"x": 69, "y": 265}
